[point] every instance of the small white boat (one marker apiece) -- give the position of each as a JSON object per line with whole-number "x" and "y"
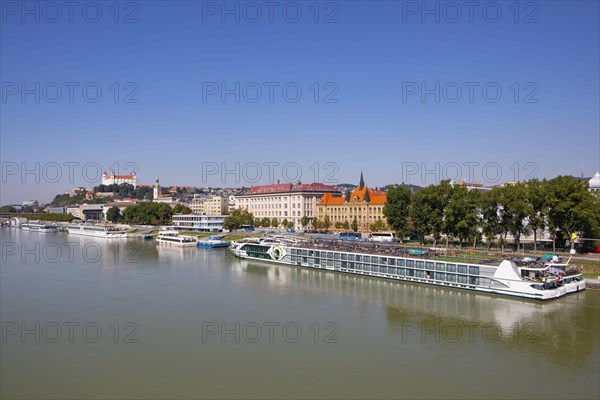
{"x": 173, "y": 238}
{"x": 42, "y": 228}
{"x": 96, "y": 231}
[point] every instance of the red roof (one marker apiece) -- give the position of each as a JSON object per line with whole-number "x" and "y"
{"x": 288, "y": 187}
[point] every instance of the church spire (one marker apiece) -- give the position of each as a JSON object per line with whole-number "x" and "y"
{"x": 362, "y": 181}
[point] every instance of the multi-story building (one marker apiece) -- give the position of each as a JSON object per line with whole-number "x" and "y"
{"x": 193, "y": 222}
{"x": 284, "y": 201}
{"x": 363, "y": 204}
{"x": 209, "y": 205}
{"x": 161, "y": 198}
{"x": 113, "y": 179}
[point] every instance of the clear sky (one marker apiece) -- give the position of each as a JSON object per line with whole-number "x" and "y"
{"x": 394, "y": 89}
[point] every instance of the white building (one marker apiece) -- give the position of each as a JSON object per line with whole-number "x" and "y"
{"x": 193, "y": 222}
{"x": 209, "y": 205}
{"x": 594, "y": 183}
{"x": 284, "y": 201}
{"x": 113, "y": 179}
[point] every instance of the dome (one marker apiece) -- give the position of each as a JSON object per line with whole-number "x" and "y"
{"x": 594, "y": 183}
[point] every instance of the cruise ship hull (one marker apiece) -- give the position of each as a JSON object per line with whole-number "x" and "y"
{"x": 499, "y": 280}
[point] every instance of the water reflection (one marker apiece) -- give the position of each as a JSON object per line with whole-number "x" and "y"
{"x": 563, "y": 330}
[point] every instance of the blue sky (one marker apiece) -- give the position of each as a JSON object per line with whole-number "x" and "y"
{"x": 370, "y": 62}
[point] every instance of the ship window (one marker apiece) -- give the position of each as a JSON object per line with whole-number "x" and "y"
{"x": 440, "y": 276}
{"x": 440, "y": 266}
{"x": 451, "y": 278}
{"x": 392, "y": 270}
{"x": 474, "y": 270}
{"x": 374, "y": 268}
{"x": 429, "y": 264}
{"x": 358, "y": 257}
{"x": 462, "y": 279}
{"x": 351, "y": 257}
{"x": 420, "y": 264}
{"x": 375, "y": 260}
{"x": 474, "y": 280}
{"x": 410, "y": 263}
{"x": 462, "y": 269}
{"x": 400, "y": 271}
{"x": 400, "y": 262}
{"x": 344, "y": 256}
{"x": 391, "y": 261}
{"x": 384, "y": 270}
{"x": 410, "y": 272}
{"x": 451, "y": 267}
{"x": 329, "y": 254}
{"x": 336, "y": 256}
{"x": 420, "y": 273}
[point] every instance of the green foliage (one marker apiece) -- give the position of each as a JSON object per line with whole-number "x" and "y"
{"x": 355, "y": 225}
{"x": 181, "y": 209}
{"x": 397, "y": 209}
{"x": 238, "y": 217}
{"x": 114, "y": 214}
{"x": 63, "y": 200}
{"x": 148, "y": 213}
{"x": 8, "y": 209}
{"x": 326, "y": 222}
{"x": 338, "y": 225}
{"x": 266, "y": 222}
{"x": 46, "y": 217}
{"x": 304, "y": 221}
{"x": 274, "y": 223}
{"x": 461, "y": 214}
{"x": 317, "y": 224}
{"x": 346, "y": 225}
{"x": 378, "y": 225}
{"x": 571, "y": 208}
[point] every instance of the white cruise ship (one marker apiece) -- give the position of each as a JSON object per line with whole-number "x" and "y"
{"x": 96, "y": 231}
{"x": 173, "y": 238}
{"x": 535, "y": 281}
{"x": 42, "y": 228}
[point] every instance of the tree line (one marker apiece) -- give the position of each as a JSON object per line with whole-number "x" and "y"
{"x": 563, "y": 206}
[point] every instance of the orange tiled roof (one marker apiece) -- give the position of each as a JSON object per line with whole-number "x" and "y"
{"x": 357, "y": 196}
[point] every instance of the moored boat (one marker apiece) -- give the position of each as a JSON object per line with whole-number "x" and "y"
{"x": 96, "y": 231}
{"x": 213, "y": 241}
{"x": 540, "y": 281}
{"x": 41, "y": 228}
{"x": 173, "y": 238}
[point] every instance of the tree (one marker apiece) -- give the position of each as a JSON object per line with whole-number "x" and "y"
{"x": 274, "y": 223}
{"x": 326, "y": 222}
{"x": 148, "y": 213}
{"x": 338, "y": 225}
{"x": 237, "y": 219}
{"x": 8, "y": 209}
{"x": 461, "y": 214}
{"x": 427, "y": 210}
{"x": 265, "y": 222}
{"x": 355, "y": 225}
{"x": 114, "y": 214}
{"x": 397, "y": 208}
{"x": 571, "y": 208}
{"x": 304, "y": 221}
{"x": 181, "y": 209}
{"x": 378, "y": 225}
{"x": 284, "y": 223}
{"x": 346, "y": 225}
{"x": 489, "y": 218}
{"x": 317, "y": 223}
{"x": 538, "y": 208}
